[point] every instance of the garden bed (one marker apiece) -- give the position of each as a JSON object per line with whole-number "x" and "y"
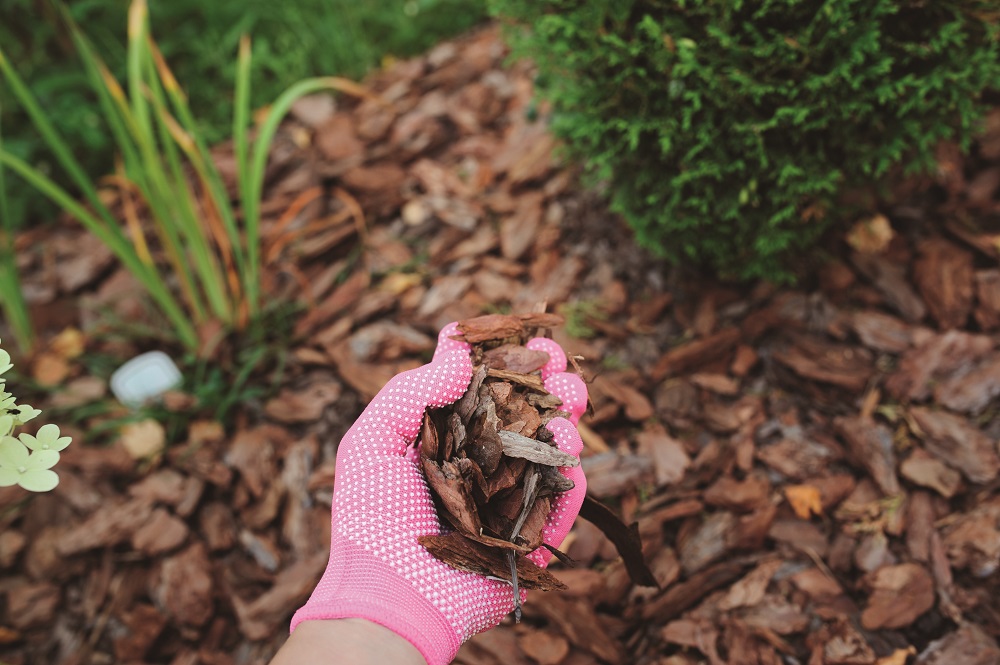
{"x": 814, "y": 470}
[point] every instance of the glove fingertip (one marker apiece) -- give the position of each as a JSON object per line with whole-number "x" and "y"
{"x": 446, "y": 344}
{"x": 449, "y": 377}
{"x": 557, "y": 357}
{"x": 572, "y": 390}
{"x": 566, "y": 436}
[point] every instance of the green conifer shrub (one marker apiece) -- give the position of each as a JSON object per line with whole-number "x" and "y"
{"x": 726, "y": 130}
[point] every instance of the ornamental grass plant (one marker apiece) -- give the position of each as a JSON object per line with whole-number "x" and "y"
{"x": 178, "y": 226}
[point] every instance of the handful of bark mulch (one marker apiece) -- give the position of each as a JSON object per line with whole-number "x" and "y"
{"x": 492, "y": 466}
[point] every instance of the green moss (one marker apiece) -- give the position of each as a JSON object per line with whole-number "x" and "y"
{"x": 578, "y": 315}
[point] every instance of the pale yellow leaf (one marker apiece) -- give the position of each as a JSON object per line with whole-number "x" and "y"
{"x": 871, "y": 235}
{"x": 69, "y": 344}
{"x": 804, "y": 500}
{"x": 144, "y": 438}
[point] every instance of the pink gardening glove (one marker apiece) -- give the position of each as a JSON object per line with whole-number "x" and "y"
{"x": 377, "y": 570}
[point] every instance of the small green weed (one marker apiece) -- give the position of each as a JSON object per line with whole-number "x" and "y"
{"x": 579, "y": 314}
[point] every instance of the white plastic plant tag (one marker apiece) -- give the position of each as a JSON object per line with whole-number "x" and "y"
{"x": 144, "y": 377}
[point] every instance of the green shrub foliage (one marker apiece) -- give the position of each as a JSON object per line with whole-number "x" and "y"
{"x": 726, "y": 129}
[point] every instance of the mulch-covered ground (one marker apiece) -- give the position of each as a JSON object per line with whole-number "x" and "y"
{"x": 814, "y": 470}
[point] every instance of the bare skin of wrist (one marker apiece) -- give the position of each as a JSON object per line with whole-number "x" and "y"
{"x": 355, "y": 641}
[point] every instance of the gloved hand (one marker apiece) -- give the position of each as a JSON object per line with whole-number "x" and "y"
{"x": 381, "y": 505}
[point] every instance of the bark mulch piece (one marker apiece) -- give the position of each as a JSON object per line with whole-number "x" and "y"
{"x": 813, "y": 470}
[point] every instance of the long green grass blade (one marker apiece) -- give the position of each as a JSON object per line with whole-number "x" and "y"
{"x": 11, "y": 296}
{"x": 184, "y": 208}
{"x": 258, "y": 163}
{"x": 241, "y": 111}
{"x": 138, "y": 28}
{"x": 190, "y": 140}
{"x": 159, "y": 195}
{"x": 129, "y": 139}
{"x": 241, "y": 121}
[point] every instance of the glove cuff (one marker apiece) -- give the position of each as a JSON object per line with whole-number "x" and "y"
{"x": 356, "y": 584}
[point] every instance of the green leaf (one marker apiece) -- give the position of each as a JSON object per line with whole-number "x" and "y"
{"x": 47, "y": 438}
{"x": 42, "y": 459}
{"x": 38, "y": 480}
{"x": 9, "y": 476}
{"x": 13, "y": 453}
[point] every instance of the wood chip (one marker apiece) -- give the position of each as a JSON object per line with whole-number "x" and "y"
{"x": 750, "y": 590}
{"x": 543, "y": 647}
{"x": 32, "y": 605}
{"x": 143, "y": 439}
{"x": 577, "y": 620}
{"x": 625, "y": 538}
{"x": 460, "y": 553}
{"x": 515, "y": 358}
{"x": 881, "y": 331}
{"x": 183, "y": 586}
{"x": 943, "y": 273}
{"x": 695, "y": 354}
{"x": 267, "y": 613}
{"x": 515, "y": 445}
{"x": 144, "y": 624}
{"x": 871, "y": 446}
{"x": 161, "y": 533}
{"x": 450, "y": 486}
{"x": 847, "y": 646}
{"x": 941, "y": 355}
{"x": 971, "y": 391}
{"x": 670, "y": 458}
{"x": 706, "y": 543}
{"x": 805, "y": 500}
{"x": 871, "y": 235}
{"x": 988, "y": 299}
{"x": 890, "y": 280}
{"x": 110, "y": 525}
{"x": 835, "y": 364}
{"x": 739, "y": 495}
{"x": 927, "y": 471}
{"x": 969, "y": 645}
{"x": 680, "y": 597}
{"x": 958, "y": 444}
{"x": 900, "y": 595}
{"x": 305, "y": 405}
{"x": 720, "y": 383}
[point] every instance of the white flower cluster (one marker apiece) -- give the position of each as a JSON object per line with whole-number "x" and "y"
{"x": 27, "y": 460}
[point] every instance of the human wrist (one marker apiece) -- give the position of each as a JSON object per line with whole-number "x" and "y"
{"x": 357, "y": 584}
{"x": 348, "y": 640}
